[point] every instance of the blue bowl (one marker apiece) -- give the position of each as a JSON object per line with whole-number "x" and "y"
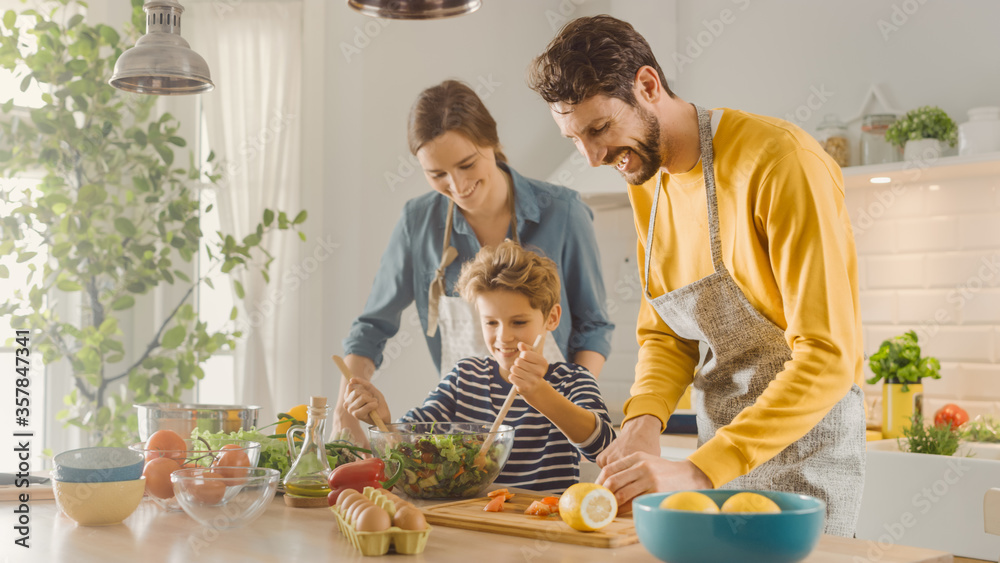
{"x": 680, "y": 536}
{"x": 98, "y": 465}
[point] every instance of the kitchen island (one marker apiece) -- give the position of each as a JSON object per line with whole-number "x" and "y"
{"x": 310, "y": 535}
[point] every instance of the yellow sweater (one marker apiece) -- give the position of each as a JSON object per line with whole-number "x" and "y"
{"x": 787, "y": 242}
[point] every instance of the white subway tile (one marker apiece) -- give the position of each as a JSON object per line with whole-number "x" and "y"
{"x": 878, "y": 238}
{"x": 878, "y": 306}
{"x": 979, "y": 231}
{"x": 925, "y": 234}
{"x": 974, "y": 408}
{"x": 898, "y": 200}
{"x": 977, "y": 306}
{"x": 963, "y": 269}
{"x": 957, "y": 344}
{"x": 891, "y": 272}
{"x": 926, "y": 306}
{"x": 962, "y": 195}
{"x": 966, "y": 381}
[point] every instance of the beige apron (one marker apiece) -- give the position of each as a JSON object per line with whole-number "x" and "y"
{"x": 745, "y": 353}
{"x": 457, "y": 319}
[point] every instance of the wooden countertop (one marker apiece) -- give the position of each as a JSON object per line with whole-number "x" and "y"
{"x": 290, "y": 535}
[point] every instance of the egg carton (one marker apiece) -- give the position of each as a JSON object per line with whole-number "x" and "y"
{"x": 406, "y": 542}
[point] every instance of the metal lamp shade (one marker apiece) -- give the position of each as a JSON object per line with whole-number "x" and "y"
{"x": 415, "y": 9}
{"x": 162, "y": 62}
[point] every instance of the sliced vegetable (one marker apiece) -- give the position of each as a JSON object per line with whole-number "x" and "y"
{"x": 539, "y": 508}
{"x": 551, "y": 501}
{"x": 507, "y": 494}
{"x": 443, "y": 466}
{"x": 495, "y": 504}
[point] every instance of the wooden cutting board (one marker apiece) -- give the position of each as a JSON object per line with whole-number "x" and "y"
{"x": 469, "y": 515}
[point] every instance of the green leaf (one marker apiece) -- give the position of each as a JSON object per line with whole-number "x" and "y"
{"x": 165, "y": 153}
{"x": 174, "y": 337}
{"x": 74, "y": 21}
{"x": 233, "y": 313}
{"x": 268, "y": 217}
{"x": 24, "y": 88}
{"x": 182, "y": 276}
{"x": 239, "y": 289}
{"x": 4, "y": 272}
{"x": 69, "y": 285}
{"x": 125, "y": 227}
{"x": 302, "y": 236}
{"x": 208, "y": 282}
{"x": 25, "y": 256}
{"x": 9, "y": 18}
{"x": 122, "y": 303}
{"x": 300, "y": 217}
{"x": 177, "y": 141}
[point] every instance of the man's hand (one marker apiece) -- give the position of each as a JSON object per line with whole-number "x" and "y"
{"x": 641, "y": 473}
{"x": 361, "y": 367}
{"x": 363, "y": 398}
{"x": 641, "y": 434}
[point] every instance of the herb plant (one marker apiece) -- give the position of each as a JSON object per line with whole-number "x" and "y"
{"x": 927, "y": 122}
{"x": 940, "y": 439}
{"x": 898, "y": 360}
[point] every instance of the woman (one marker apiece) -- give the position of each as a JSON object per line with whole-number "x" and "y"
{"x": 478, "y": 200}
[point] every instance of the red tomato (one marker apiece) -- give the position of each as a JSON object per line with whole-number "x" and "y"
{"x": 331, "y": 498}
{"x": 952, "y": 415}
{"x": 166, "y": 443}
{"x": 209, "y": 489}
{"x": 157, "y": 473}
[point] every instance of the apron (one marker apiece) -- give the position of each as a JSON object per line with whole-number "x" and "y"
{"x": 457, "y": 319}
{"x": 745, "y": 353}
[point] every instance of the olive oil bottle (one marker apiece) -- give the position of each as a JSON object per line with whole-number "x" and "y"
{"x": 310, "y": 473}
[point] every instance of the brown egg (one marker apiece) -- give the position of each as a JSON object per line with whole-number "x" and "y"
{"x": 372, "y": 519}
{"x": 357, "y": 509}
{"x": 410, "y": 518}
{"x": 350, "y": 503}
{"x": 344, "y": 496}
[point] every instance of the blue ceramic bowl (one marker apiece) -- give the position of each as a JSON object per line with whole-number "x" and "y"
{"x": 680, "y": 536}
{"x": 98, "y": 465}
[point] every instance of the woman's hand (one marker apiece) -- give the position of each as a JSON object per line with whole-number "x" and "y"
{"x": 641, "y": 473}
{"x": 527, "y": 374}
{"x": 363, "y": 398}
{"x": 361, "y": 367}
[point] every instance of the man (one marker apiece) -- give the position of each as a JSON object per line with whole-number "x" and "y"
{"x": 745, "y": 246}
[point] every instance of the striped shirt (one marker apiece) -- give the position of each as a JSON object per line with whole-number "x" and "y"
{"x": 542, "y": 457}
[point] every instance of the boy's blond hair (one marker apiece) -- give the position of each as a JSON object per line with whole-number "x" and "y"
{"x": 509, "y": 267}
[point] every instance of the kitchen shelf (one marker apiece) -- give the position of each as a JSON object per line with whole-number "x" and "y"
{"x": 944, "y": 168}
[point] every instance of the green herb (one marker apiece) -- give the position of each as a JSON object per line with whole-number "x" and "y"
{"x": 936, "y": 440}
{"x": 927, "y": 122}
{"x": 898, "y": 361}
{"x": 982, "y": 429}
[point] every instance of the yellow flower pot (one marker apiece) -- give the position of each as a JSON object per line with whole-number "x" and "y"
{"x": 898, "y": 407}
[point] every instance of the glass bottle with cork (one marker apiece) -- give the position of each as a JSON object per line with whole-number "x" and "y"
{"x": 832, "y": 135}
{"x": 310, "y": 473}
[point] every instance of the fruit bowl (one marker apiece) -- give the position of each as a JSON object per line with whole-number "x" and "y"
{"x": 682, "y": 536}
{"x": 438, "y": 458}
{"x": 97, "y": 465}
{"x": 161, "y": 463}
{"x": 98, "y": 504}
{"x": 223, "y": 503}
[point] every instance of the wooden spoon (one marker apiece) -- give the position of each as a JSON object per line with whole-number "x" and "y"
{"x": 348, "y": 375}
{"x": 480, "y": 460}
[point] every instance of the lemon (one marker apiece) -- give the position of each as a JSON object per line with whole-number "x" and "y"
{"x": 690, "y": 500}
{"x": 588, "y": 507}
{"x": 749, "y": 502}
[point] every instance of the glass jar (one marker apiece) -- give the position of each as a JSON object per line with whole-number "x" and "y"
{"x": 832, "y": 136}
{"x": 875, "y": 149}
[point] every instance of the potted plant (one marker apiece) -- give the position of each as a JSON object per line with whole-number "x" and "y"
{"x": 114, "y": 216}
{"x": 923, "y": 132}
{"x": 899, "y": 364}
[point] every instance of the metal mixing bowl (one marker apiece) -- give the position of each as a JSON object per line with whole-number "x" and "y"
{"x": 183, "y": 418}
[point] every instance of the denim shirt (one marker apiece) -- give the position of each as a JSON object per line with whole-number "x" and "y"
{"x": 551, "y": 220}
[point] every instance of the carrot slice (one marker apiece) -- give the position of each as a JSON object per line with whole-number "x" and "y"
{"x": 551, "y": 501}
{"x": 495, "y": 505}
{"x": 506, "y": 494}
{"x": 538, "y": 509}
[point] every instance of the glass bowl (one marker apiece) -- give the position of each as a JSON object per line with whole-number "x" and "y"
{"x": 197, "y": 455}
{"x": 183, "y": 418}
{"x": 681, "y": 536}
{"x": 98, "y": 465}
{"x": 223, "y": 503}
{"x": 438, "y": 458}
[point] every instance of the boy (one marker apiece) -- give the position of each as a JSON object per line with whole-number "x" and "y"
{"x": 560, "y": 413}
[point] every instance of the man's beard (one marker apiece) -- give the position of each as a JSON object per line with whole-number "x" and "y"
{"x": 648, "y": 150}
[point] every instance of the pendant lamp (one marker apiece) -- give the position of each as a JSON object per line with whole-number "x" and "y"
{"x": 415, "y": 9}
{"x": 162, "y": 62}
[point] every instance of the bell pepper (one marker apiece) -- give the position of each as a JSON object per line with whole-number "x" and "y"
{"x": 360, "y": 474}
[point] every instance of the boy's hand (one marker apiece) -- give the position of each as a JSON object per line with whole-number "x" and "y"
{"x": 362, "y": 398}
{"x": 527, "y": 374}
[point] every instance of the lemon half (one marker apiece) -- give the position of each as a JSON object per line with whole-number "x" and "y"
{"x": 588, "y": 507}
{"x": 691, "y": 501}
{"x": 750, "y": 502}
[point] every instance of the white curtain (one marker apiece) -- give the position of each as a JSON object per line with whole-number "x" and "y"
{"x": 253, "y": 118}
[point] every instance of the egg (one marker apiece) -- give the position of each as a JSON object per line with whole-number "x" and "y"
{"x": 345, "y": 496}
{"x": 356, "y": 509}
{"x": 372, "y": 519}
{"x": 410, "y": 518}
{"x": 345, "y": 510}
